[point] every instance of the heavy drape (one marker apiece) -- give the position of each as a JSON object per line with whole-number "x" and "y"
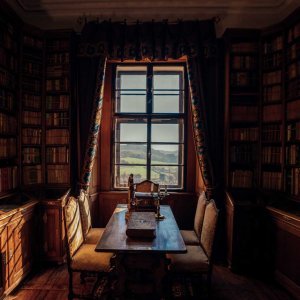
{"x": 153, "y": 41}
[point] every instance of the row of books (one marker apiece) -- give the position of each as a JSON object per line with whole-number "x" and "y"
{"x": 6, "y": 100}
{"x": 57, "y": 155}
{"x": 271, "y": 155}
{"x": 8, "y": 124}
{"x": 32, "y": 175}
{"x": 8, "y": 178}
{"x": 31, "y": 117}
{"x": 57, "y": 136}
{"x": 272, "y": 77}
{"x": 58, "y": 174}
{"x": 294, "y": 33}
{"x": 58, "y": 45}
{"x": 293, "y": 52}
{"x": 243, "y": 79}
{"x": 31, "y": 136}
{"x": 31, "y": 101}
{"x": 7, "y": 79}
{"x": 57, "y": 102}
{"x": 243, "y": 153}
{"x": 274, "y": 45}
{"x": 57, "y": 71}
{"x": 244, "y": 62}
{"x": 33, "y": 42}
{"x": 272, "y": 113}
{"x": 293, "y": 70}
{"x": 8, "y": 60}
{"x": 57, "y": 119}
{"x": 8, "y": 147}
{"x": 293, "y": 132}
{"x": 293, "y": 89}
{"x": 244, "y": 113}
{"x": 272, "y": 93}
{"x": 293, "y": 181}
{"x": 271, "y": 133}
{"x": 58, "y": 59}
{"x": 32, "y": 85}
{"x": 31, "y": 155}
{"x": 32, "y": 68}
{"x": 293, "y": 110}
{"x": 241, "y": 179}
{"x": 244, "y": 134}
{"x": 272, "y": 180}
{"x": 244, "y": 47}
{"x": 273, "y": 60}
{"x": 8, "y": 41}
{"x": 293, "y": 154}
{"x": 59, "y": 84}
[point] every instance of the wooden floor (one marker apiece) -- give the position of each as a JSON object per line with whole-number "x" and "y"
{"x": 51, "y": 283}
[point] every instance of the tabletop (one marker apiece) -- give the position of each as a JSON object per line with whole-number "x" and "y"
{"x": 168, "y": 237}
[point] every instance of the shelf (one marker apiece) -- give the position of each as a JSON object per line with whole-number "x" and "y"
{"x": 272, "y": 102}
{"x": 275, "y": 143}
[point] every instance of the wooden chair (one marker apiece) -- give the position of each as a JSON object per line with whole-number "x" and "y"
{"x": 198, "y": 259}
{"x": 146, "y": 186}
{"x": 90, "y": 235}
{"x": 81, "y": 257}
{"x": 192, "y": 237}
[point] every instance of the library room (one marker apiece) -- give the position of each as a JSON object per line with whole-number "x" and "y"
{"x": 149, "y": 150}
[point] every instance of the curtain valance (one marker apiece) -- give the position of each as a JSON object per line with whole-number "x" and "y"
{"x": 146, "y": 41}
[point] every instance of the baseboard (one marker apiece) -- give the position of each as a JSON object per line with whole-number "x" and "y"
{"x": 288, "y": 284}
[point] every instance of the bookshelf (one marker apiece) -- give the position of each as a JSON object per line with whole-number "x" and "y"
{"x": 272, "y": 111}
{"x": 242, "y": 102}
{"x": 31, "y": 104}
{"x": 9, "y": 66}
{"x": 58, "y": 108}
{"x": 292, "y": 123}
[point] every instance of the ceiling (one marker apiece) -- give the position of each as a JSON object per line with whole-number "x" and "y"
{"x": 50, "y": 14}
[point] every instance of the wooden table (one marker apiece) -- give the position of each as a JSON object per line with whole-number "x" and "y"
{"x": 140, "y": 263}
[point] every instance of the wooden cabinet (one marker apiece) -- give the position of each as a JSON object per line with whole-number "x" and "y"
{"x": 247, "y": 241}
{"x": 16, "y": 244}
{"x": 286, "y": 248}
{"x": 52, "y": 229}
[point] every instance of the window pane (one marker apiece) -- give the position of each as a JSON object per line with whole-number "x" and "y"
{"x": 167, "y": 104}
{"x": 166, "y": 81}
{"x": 131, "y": 103}
{"x": 132, "y": 80}
{"x": 172, "y": 176}
{"x": 132, "y": 132}
{"x": 131, "y": 154}
{"x": 166, "y": 154}
{"x": 122, "y": 173}
{"x": 166, "y": 133}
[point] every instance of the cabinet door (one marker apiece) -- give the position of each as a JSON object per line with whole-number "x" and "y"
{"x": 12, "y": 247}
{"x": 52, "y": 235}
{"x": 4, "y": 268}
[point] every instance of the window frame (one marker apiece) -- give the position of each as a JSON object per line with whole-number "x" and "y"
{"x": 148, "y": 115}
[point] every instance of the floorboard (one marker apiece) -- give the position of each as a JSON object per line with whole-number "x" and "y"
{"x": 51, "y": 283}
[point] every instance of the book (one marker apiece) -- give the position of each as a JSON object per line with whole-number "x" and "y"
{"x": 141, "y": 225}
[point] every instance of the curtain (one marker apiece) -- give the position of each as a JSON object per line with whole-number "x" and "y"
{"x": 151, "y": 41}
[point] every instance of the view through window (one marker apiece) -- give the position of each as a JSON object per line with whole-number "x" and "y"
{"x": 149, "y": 119}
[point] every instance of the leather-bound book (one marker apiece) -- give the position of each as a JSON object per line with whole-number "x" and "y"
{"x": 141, "y": 225}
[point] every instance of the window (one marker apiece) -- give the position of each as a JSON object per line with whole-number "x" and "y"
{"x": 149, "y": 122}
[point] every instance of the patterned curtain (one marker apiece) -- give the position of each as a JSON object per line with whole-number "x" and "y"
{"x": 152, "y": 41}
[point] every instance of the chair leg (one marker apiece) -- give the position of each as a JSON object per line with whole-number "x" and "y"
{"x": 208, "y": 278}
{"x": 71, "y": 293}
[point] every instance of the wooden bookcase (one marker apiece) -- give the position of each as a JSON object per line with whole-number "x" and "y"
{"x": 242, "y": 108}
{"x": 9, "y": 66}
{"x": 31, "y": 107}
{"x": 272, "y": 111}
{"x": 292, "y": 117}
{"x": 58, "y": 108}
